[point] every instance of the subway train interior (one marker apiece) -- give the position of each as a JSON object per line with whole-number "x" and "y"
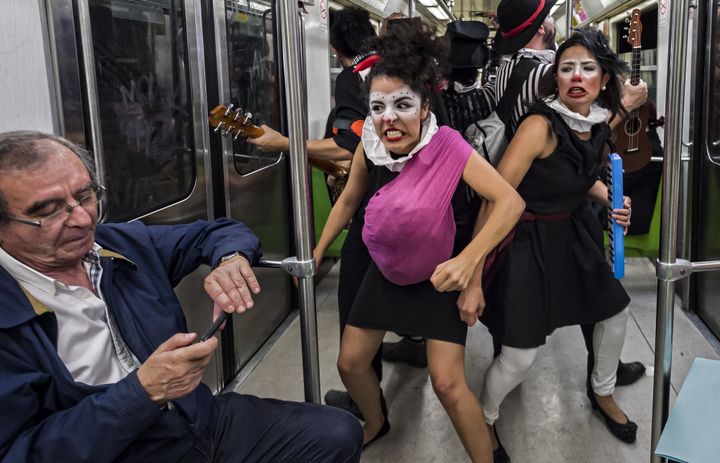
{"x": 133, "y": 81}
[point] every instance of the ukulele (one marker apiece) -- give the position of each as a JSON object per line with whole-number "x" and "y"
{"x": 233, "y": 122}
{"x": 631, "y": 137}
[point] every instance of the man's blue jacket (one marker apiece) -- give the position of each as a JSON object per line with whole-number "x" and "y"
{"x": 44, "y": 414}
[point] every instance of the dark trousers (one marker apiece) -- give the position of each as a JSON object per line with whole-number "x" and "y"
{"x": 249, "y": 429}
{"x": 253, "y": 429}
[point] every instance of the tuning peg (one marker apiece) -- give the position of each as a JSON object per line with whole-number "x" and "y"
{"x": 229, "y": 109}
{"x": 228, "y": 131}
{"x": 237, "y": 135}
{"x": 219, "y": 126}
{"x": 248, "y": 118}
{"x": 238, "y": 113}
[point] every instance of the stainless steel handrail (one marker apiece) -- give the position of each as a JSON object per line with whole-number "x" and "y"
{"x": 198, "y": 95}
{"x": 93, "y": 109}
{"x": 294, "y": 77}
{"x": 707, "y": 266}
{"x": 670, "y": 210}
{"x": 568, "y": 18}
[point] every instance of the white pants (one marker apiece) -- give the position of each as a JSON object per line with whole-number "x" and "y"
{"x": 511, "y": 366}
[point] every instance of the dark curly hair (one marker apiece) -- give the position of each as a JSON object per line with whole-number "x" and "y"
{"x": 596, "y": 43}
{"x": 412, "y": 54}
{"x": 349, "y": 29}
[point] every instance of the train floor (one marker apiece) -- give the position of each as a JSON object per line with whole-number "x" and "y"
{"x": 546, "y": 419}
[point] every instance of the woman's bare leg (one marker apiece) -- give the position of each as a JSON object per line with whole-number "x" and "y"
{"x": 357, "y": 349}
{"x": 446, "y": 362}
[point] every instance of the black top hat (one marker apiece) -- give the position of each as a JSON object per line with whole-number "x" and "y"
{"x": 472, "y": 30}
{"x": 519, "y": 21}
{"x": 467, "y": 44}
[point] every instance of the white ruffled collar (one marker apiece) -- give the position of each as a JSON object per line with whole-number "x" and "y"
{"x": 577, "y": 121}
{"x": 379, "y": 155}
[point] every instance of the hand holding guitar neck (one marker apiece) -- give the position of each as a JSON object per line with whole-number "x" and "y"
{"x": 631, "y": 136}
{"x": 229, "y": 121}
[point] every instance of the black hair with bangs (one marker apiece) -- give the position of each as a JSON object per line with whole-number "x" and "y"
{"x": 596, "y": 43}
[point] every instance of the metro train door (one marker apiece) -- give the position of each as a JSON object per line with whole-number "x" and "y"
{"x": 132, "y": 91}
{"x": 256, "y": 183}
{"x": 707, "y": 284}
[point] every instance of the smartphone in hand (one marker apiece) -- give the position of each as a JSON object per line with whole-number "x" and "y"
{"x": 215, "y": 326}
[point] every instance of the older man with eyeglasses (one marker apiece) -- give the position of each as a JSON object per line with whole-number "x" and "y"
{"x": 96, "y": 363}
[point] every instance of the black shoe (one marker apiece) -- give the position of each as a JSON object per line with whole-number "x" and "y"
{"x": 407, "y": 351}
{"x": 341, "y": 399}
{"x": 383, "y": 430}
{"x": 499, "y": 454}
{"x": 386, "y": 424}
{"x": 628, "y": 373}
{"x": 626, "y": 432}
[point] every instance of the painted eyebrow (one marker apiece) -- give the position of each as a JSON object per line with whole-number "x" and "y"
{"x": 40, "y": 205}
{"x": 581, "y": 62}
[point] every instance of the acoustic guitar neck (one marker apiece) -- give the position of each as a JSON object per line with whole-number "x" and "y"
{"x": 234, "y": 122}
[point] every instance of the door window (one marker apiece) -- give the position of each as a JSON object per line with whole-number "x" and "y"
{"x": 713, "y": 141}
{"x": 253, "y": 76}
{"x": 144, "y": 100}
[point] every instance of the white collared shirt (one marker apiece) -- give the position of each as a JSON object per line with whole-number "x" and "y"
{"x": 85, "y": 342}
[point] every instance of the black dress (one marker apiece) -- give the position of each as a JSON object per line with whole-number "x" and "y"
{"x": 554, "y": 272}
{"x": 418, "y": 309}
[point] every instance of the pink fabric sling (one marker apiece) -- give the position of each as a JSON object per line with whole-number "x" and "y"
{"x": 409, "y": 225}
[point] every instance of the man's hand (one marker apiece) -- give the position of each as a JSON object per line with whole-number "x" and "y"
{"x": 270, "y": 141}
{"x": 230, "y": 284}
{"x": 634, "y": 95}
{"x": 176, "y": 368}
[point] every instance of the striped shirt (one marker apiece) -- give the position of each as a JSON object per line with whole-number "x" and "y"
{"x": 465, "y": 106}
{"x": 529, "y": 91}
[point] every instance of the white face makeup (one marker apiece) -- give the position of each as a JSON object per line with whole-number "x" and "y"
{"x": 579, "y": 79}
{"x": 585, "y": 68}
{"x": 401, "y": 104}
{"x": 397, "y": 113}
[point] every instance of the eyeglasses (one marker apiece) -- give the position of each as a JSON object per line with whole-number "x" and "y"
{"x": 88, "y": 199}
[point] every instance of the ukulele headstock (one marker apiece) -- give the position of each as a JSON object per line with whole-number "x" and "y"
{"x": 634, "y": 28}
{"x": 231, "y": 121}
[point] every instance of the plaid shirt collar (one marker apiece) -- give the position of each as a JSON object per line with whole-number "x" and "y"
{"x": 92, "y": 266}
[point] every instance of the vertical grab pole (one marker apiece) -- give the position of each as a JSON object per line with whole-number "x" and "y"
{"x": 411, "y": 8}
{"x": 668, "y": 229}
{"x": 91, "y": 94}
{"x": 568, "y": 18}
{"x": 292, "y": 46}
